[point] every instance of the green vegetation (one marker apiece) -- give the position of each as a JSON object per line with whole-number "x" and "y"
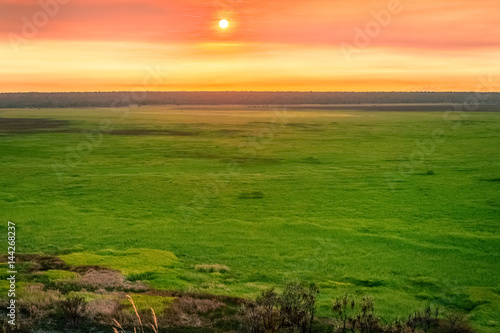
{"x": 58, "y": 275}
{"x": 130, "y": 261}
{"x": 402, "y": 206}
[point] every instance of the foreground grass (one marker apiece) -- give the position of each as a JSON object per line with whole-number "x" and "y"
{"x": 274, "y": 197}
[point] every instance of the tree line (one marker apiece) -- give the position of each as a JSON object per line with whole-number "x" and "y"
{"x": 121, "y": 99}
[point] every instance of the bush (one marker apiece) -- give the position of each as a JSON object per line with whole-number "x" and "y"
{"x": 268, "y": 301}
{"x": 297, "y": 307}
{"x": 74, "y": 309}
{"x": 354, "y": 316}
{"x": 293, "y": 310}
{"x": 455, "y": 323}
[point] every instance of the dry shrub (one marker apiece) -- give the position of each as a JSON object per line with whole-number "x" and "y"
{"x": 34, "y": 305}
{"x": 212, "y": 268}
{"x": 125, "y": 318}
{"x": 74, "y": 308}
{"x": 254, "y": 318}
{"x": 103, "y": 311}
{"x": 187, "y": 311}
{"x": 108, "y": 280}
{"x": 37, "y": 302}
{"x": 196, "y": 305}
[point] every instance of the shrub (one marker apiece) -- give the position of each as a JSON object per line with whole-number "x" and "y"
{"x": 455, "y": 323}
{"x": 367, "y": 321}
{"x": 252, "y": 315}
{"x": 293, "y": 310}
{"x": 74, "y": 309}
{"x": 268, "y": 301}
{"x": 297, "y": 306}
{"x": 344, "y": 310}
{"x": 103, "y": 311}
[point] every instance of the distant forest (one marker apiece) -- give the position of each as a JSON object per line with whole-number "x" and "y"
{"x": 117, "y": 99}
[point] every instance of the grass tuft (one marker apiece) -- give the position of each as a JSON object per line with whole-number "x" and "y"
{"x": 212, "y": 268}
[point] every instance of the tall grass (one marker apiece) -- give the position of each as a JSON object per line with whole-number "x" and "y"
{"x": 154, "y": 325}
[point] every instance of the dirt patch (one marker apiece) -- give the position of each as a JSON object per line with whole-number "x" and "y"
{"x": 31, "y": 125}
{"x": 85, "y": 268}
{"x": 39, "y": 262}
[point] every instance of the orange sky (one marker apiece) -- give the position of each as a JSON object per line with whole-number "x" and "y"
{"x": 321, "y": 45}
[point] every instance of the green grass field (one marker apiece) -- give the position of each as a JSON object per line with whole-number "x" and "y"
{"x": 403, "y": 206}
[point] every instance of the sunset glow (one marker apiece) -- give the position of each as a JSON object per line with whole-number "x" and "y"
{"x": 322, "y": 45}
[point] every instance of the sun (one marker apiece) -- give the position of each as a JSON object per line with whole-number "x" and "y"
{"x": 223, "y": 24}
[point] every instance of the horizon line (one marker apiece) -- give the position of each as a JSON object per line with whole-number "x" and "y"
{"x": 248, "y": 91}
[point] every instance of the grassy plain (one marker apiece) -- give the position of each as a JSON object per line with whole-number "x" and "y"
{"x": 403, "y": 206}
